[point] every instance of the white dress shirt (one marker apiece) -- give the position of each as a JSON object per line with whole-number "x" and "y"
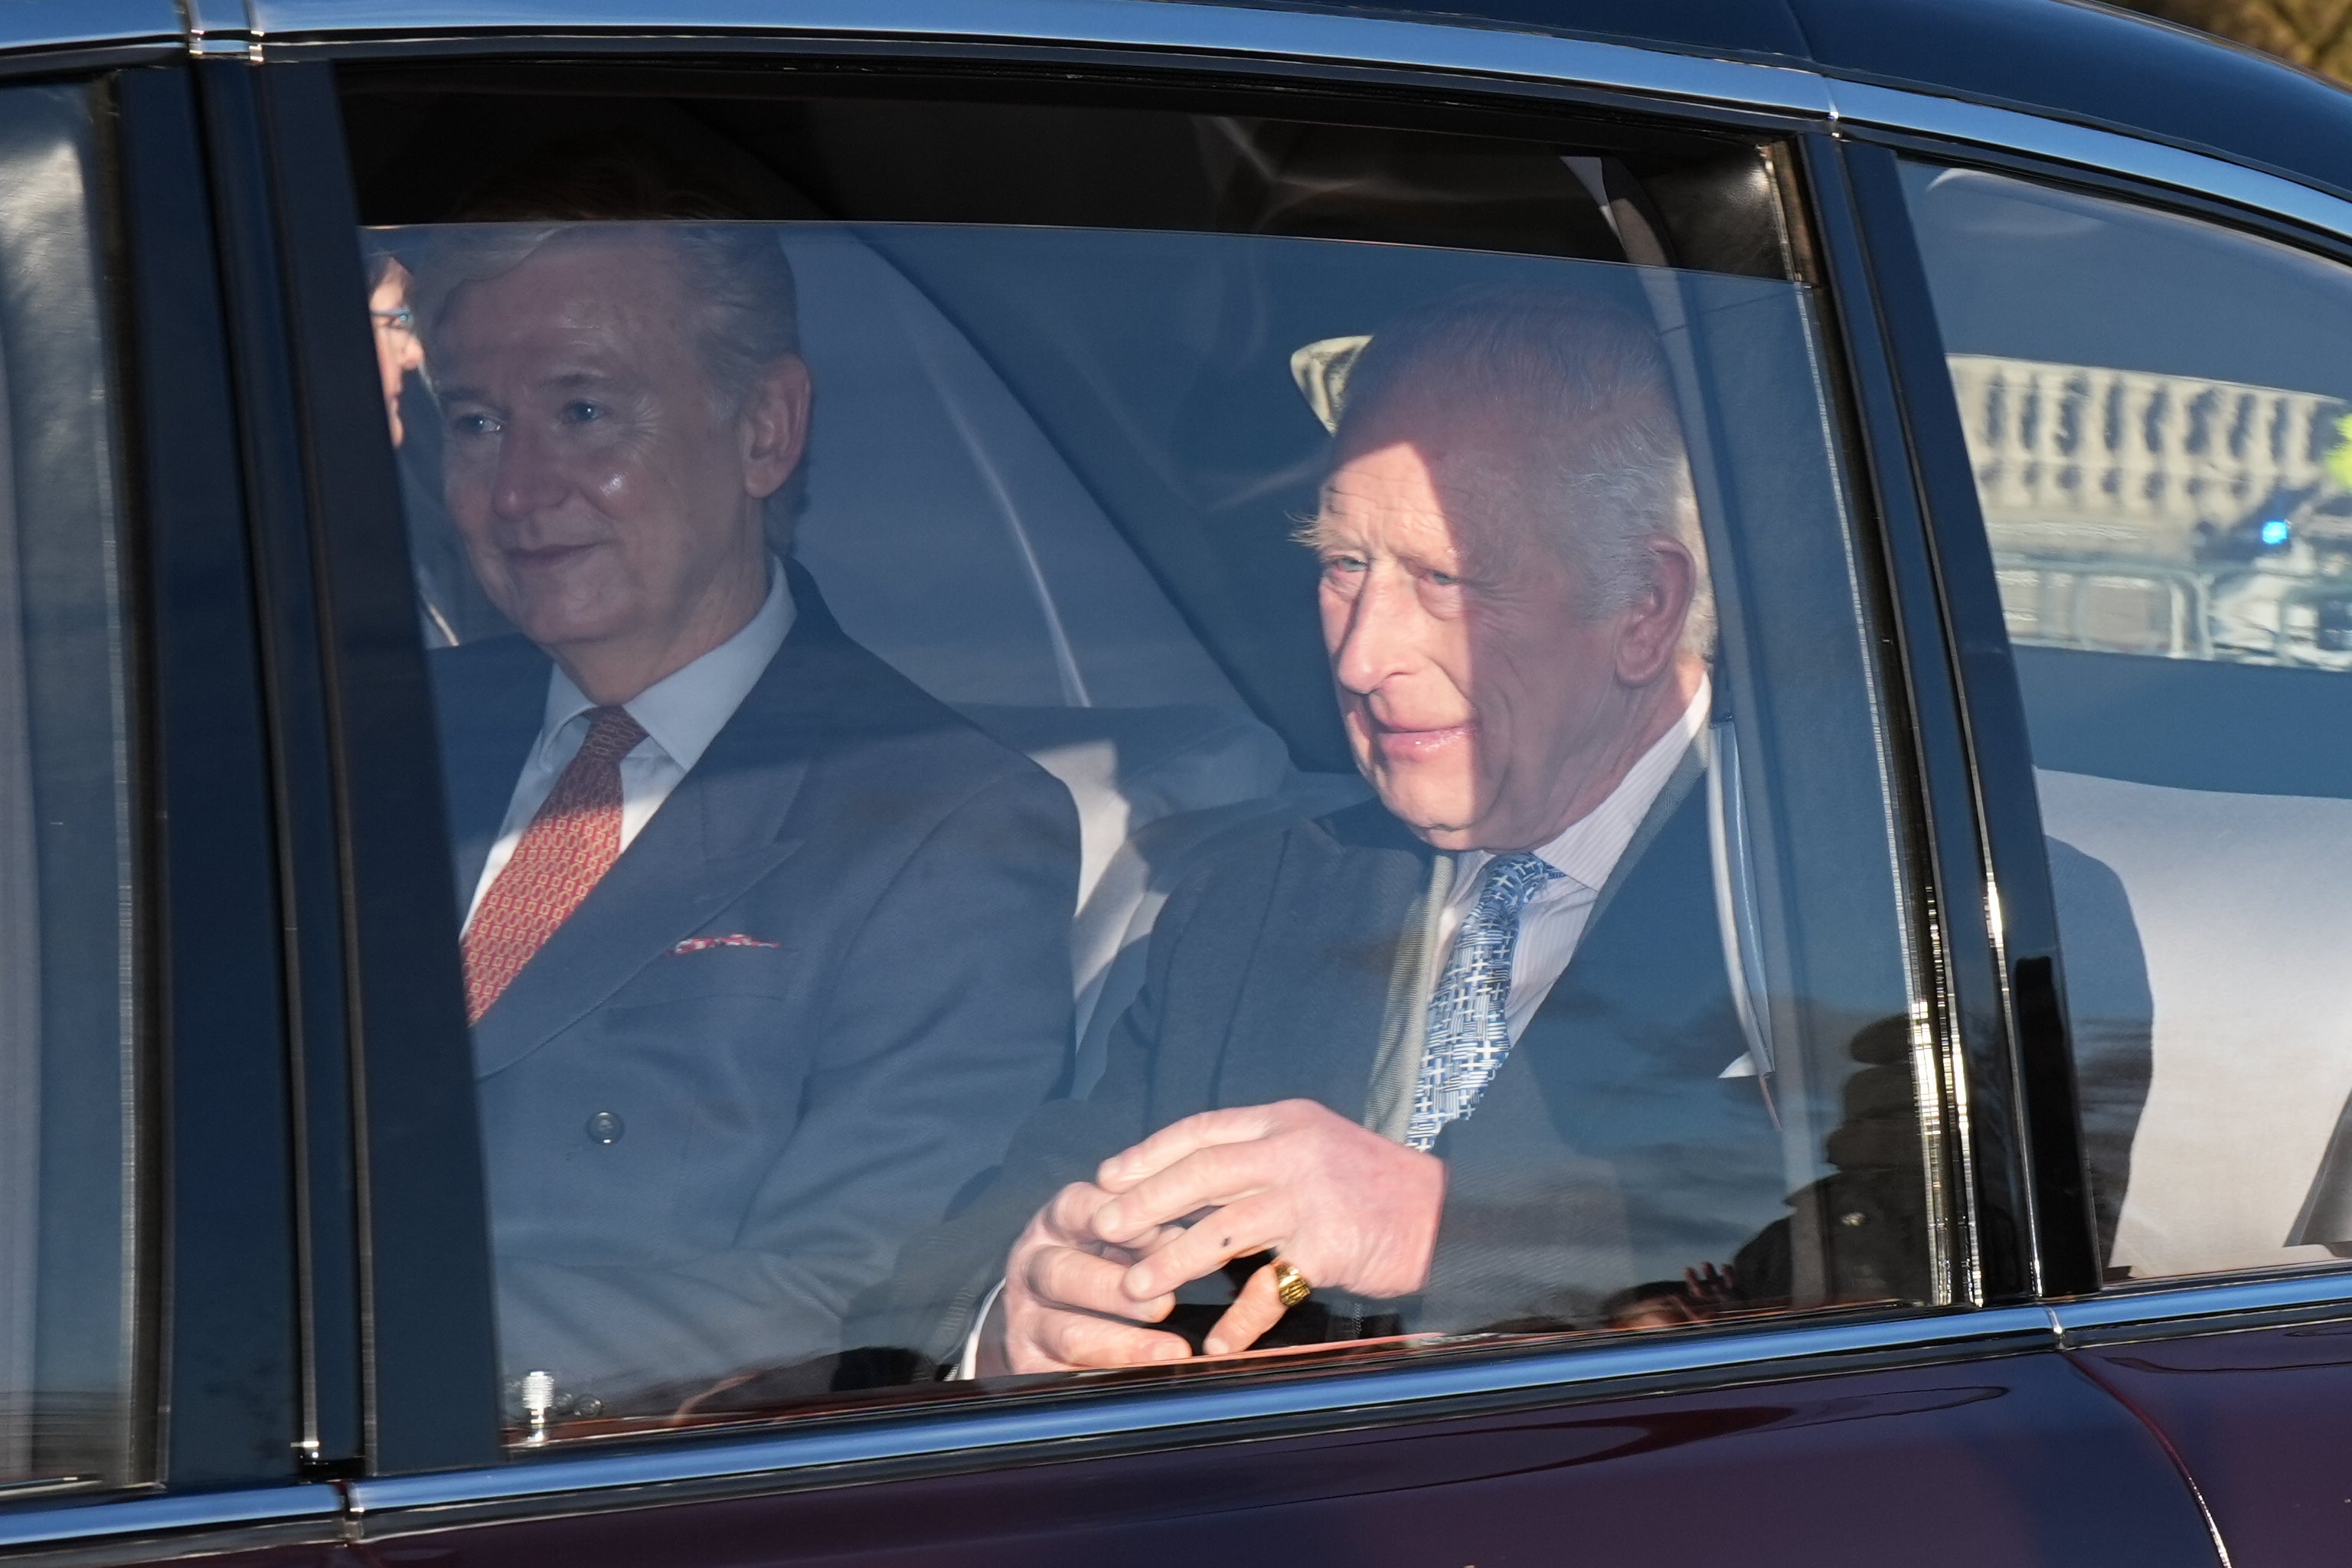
{"x": 681, "y": 714}
{"x": 1585, "y": 854}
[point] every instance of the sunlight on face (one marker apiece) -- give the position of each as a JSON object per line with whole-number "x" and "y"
{"x": 1478, "y": 700}
{"x": 603, "y": 494}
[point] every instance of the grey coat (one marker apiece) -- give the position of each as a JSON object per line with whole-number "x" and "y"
{"x": 696, "y": 1158}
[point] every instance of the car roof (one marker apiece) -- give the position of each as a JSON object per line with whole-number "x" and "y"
{"x": 2075, "y": 59}
{"x": 2082, "y": 61}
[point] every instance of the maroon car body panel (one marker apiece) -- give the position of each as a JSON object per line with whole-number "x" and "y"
{"x": 2013, "y": 1459}
{"x": 2263, "y": 1420}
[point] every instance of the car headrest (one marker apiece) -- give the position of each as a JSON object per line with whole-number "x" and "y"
{"x": 1127, "y": 767}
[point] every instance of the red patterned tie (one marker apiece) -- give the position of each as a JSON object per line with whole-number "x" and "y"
{"x": 571, "y": 842}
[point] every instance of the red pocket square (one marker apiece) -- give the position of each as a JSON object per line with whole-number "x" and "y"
{"x": 697, "y": 943}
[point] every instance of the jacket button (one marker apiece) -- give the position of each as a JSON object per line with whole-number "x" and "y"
{"x": 605, "y": 1128}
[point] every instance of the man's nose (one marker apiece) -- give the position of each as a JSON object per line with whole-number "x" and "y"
{"x": 528, "y": 480}
{"x": 1377, "y": 641}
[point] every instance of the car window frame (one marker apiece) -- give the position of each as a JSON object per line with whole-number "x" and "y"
{"x": 1276, "y": 1396}
{"x": 2019, "y": 1126}
{"x": 2149, "y": 177}
{"x": 406, "y": 1371}
{"x": 214, "y": 1304}
{"x": 218, "y": 1307}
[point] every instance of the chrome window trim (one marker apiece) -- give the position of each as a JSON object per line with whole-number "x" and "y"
{"x": 2104, "y": 152}
{"x": 989, "y": 1435}
{"x": 2198, "y": 1305}
{"x": 219, "y": 27}
{"x": 98, "y": 1520}
{"x": 1142, "y": 24}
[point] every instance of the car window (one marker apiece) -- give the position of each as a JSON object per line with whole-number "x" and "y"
{"x": 2159, "y": 414}
{"x": 1081, "y": 739}
{"x": 68, "y": 904}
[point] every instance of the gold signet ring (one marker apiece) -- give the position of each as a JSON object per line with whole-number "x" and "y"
{"x": 1290, "y": 1287}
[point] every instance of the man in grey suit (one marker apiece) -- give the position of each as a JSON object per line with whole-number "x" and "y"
{"x": 765, "y": 949}
{"x": 1457, "y": 1058}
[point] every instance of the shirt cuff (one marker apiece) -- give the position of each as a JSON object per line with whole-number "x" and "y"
{"x": 967, "y": 1363}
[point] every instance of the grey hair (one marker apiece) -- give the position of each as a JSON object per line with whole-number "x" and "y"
{"x": 747, "y": 304}
{"x": 1613, "y": 476}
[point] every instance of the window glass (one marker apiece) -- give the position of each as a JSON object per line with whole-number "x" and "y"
{"x": 68, "y": 1087}
{"x": 973, "y": 805}
{"x": 2158, "y": 411}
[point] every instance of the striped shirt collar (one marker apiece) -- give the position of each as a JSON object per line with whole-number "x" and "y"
{"x": 684, "y": 711}
{"x": 1587, "y": 849}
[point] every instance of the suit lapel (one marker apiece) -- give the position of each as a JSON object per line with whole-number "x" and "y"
{"x": 1308, "y": 1022}
{"x": 1664, "y": 810}
{"x": 1646, "y": 1003}
{"x": 726, "y": 825}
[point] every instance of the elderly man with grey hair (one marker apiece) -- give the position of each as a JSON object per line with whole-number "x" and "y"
{"x": 764, "y": 949}
{"x": 1454, "y": 1059}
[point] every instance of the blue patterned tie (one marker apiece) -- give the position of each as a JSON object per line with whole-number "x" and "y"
{"x": 1469, "y": 1027}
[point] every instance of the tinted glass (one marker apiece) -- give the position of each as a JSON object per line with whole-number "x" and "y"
{"x": 942, "y": 735}
{"x": 68, "y": 1085}
{"x": 2158, "y": 412}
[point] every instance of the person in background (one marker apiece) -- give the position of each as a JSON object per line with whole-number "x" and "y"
{"x": 449, "y": 604}
{"x": 399, "y": 352}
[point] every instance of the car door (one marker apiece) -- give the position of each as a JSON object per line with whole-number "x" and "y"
{"x": 2142, "y": 382}
{"x": 1074, "y": 418}
{"x": 161, "y": 1324}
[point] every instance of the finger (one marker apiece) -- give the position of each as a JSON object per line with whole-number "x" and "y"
{"x": 1135, "y": 1250}
{"x": 1261, "y": 1223}
{"x": 1205, "y": 1179}
{"x": 1064, "y": 1276}
{"x": 1172, "y": 1142}
{"x": 1070, "y": 1215}
{"x": 1069, "y": 1342}
{"x": 1255, "y": 1311}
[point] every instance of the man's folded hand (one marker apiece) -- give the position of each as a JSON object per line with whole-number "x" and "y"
{"x": 1064, "y": 1307}
{"x": 1348, "y": 1208}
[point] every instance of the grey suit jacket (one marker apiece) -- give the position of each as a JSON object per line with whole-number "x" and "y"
{"x": 697, "y": 1155}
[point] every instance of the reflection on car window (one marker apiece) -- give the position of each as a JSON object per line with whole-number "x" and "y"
{"x": 69, "y": 1415}
{"x": 2158, "y": 412}
{"x": 1064, "y": 796}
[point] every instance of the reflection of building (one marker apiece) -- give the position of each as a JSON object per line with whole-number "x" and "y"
{"x": 2161, "y": 514}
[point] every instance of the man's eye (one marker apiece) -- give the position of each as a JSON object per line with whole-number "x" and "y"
{"x": 584, "y": 412}
{"x": 1445, "y": 579}
{"x": 473, "y": 425}
{"x": 1343, "y": 566}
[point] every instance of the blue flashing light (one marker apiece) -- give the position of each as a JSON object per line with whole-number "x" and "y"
{"x": 2275, "y": 532}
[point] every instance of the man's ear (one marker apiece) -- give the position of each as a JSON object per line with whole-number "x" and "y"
{"x": 773, "y": 428}
{"x": 1650, "y": 629}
